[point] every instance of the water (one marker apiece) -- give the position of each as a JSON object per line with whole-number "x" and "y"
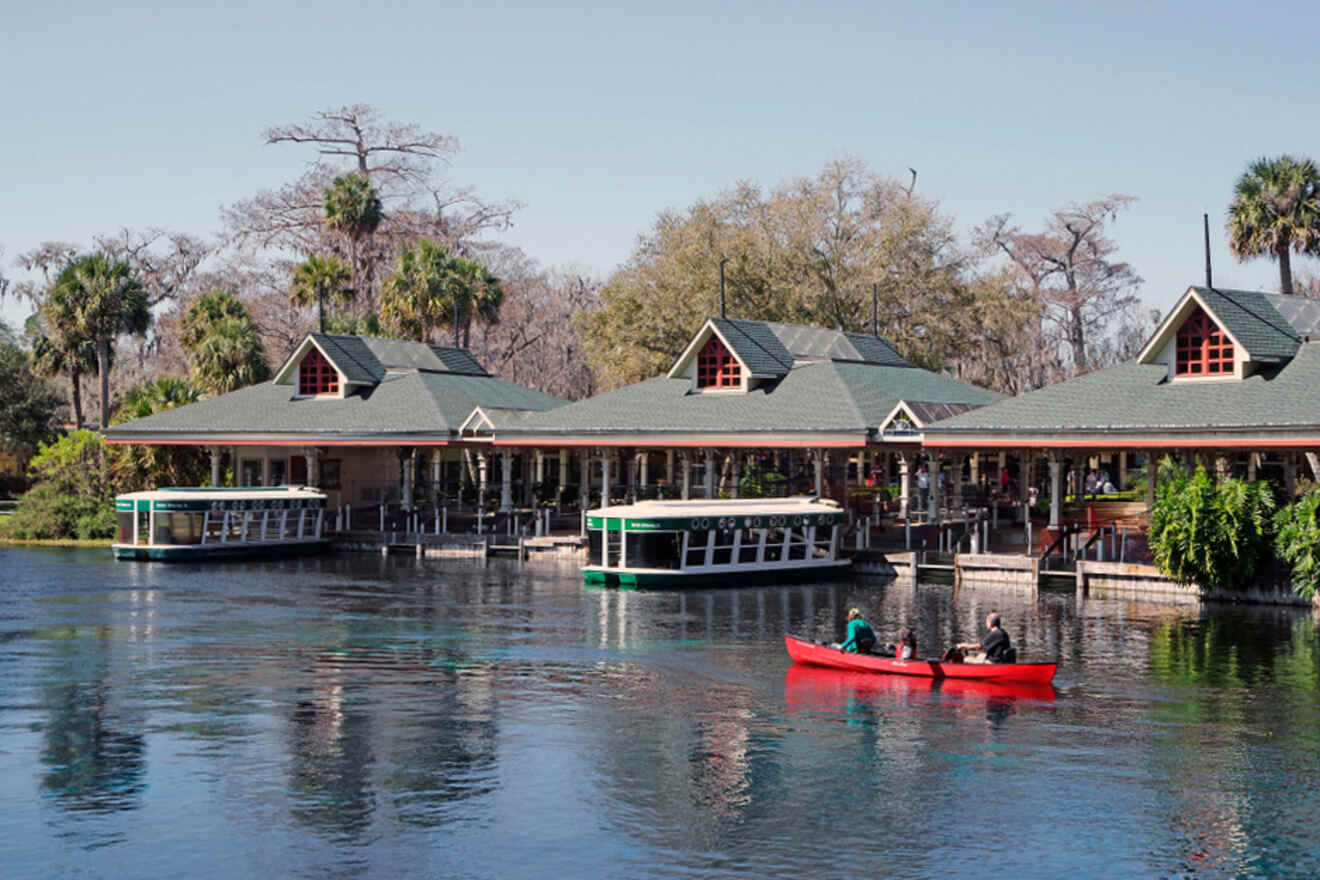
{"x": 355, "y": 716}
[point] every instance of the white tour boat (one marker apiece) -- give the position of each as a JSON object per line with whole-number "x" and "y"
{"x": 685, "y": 543}
{"x": 188, "y": 524}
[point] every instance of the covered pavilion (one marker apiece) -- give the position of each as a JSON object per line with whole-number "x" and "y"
{"x": 1230, "y": 379}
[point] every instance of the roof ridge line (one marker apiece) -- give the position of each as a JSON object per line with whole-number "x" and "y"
{"x": 1289, "y": 332}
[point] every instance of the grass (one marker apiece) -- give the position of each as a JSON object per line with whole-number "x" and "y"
{"x": 55, "y": 542}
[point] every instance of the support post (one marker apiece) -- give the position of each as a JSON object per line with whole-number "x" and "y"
{"x": 686, "y": 463}
{"x": 584, "y": 483}
{"x": 605, "y": 478}
{"x": 214, "y": 452}
{"x": 905, "y": 459}
{"x": 708, "y": 478}
{"x": 563, "y": 479}
{"x": 644, "y": 469}
{"x": 1056, "y": 488}
{"x": 506, "y": 481}
{"x": 818, "y": 459}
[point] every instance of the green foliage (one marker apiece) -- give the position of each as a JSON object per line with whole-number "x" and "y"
{"x": 27, "y": 403}
{"x": 1208, "y": 534}
{"x": 319, "y": 279}
{"x": 430, "y": 288}
{"x": 73, "y": 492}
{"x": 223, "y": 343}
{"x": 149, "y": 467}
{"x": 1276, "y": 208}
{"x": 356, "y": 325}
{"x": 759, "y": 481}
{"x": 1297, "y": 541}
{"x": 352, "y": 206}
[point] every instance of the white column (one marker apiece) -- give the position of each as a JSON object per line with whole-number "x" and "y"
{"x": 933, "y": 477}
{"x": 506, "y": 481}
{"x": 630, "y": 478}
{"x": 686, "y": 462}
{"x": 1056, "y": 488}
{"x": 669, "y": 467}
{"x": 437, "y": 473}
{"x": 605, "y": 478}
{"x": 540, "y": 467}
{"x": 1253, "y": 460}
{"x": 584, "y": 479}
{"x": 483, "y": 471}
{"x": 645, "y": 468}
{"x": 818, "y": 459}
{"x": 1122, "y": 472}
{"x": 955, "y": 476}
{"x": 214, "y": 452}
{"x": 905, "y": 482}
{"x": 409, "y": 470}
{"x": 708, "y": 478}
{"x": 563, "y": 479}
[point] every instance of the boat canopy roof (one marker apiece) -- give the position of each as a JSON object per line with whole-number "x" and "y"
{"x": 724, "y": 514}
{"x": 201, "y": 498}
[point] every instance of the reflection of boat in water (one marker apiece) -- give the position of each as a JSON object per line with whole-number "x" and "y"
{"x": 817, "y": 687}
{"x": 806, "y": 651}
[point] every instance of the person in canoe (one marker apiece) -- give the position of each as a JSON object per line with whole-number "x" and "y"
{"x": 995, "y": 646}
{"x": 860, "y": 638}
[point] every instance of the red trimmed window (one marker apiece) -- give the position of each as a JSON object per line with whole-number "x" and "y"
{"x": 1203, "y": 348}
{"x": 316, "y": 375}
{"x": 716, "y": 367}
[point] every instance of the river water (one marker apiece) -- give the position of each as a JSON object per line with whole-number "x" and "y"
{"x": 356, "y": 716}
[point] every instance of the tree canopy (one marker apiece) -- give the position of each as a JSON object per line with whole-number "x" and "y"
{"x": 1276, "y": 210}
{"x": 223, "y": 344}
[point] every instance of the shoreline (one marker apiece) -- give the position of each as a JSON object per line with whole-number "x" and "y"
{"x": 55, "y": 542}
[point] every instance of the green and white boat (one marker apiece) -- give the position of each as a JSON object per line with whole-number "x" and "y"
{"x": 691, "y": 543}
{"x": 192, "y": 524}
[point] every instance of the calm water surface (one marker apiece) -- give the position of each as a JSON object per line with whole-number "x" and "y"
{"x": 362, "y": 717}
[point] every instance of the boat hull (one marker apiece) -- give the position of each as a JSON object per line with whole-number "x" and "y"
{"x": 804, "y": 651}
{"x": 654, "y": 579}
{"x": 212, "y": 552}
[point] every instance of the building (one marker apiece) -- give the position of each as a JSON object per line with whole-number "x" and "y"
{"x": 824, "y": 407}
{"x": 1230, "y": 379}
{"x": 370, "y": 421}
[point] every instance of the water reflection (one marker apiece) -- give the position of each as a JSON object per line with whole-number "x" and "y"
{"x": 342, "y": 716}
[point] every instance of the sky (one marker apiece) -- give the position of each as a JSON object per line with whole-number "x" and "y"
{"x": 596, "y": 117}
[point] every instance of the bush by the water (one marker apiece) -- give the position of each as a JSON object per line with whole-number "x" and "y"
{"x": 73, "y": 493}
{"x": 1297, "y": 541}
{"x": 1216, "y": 535}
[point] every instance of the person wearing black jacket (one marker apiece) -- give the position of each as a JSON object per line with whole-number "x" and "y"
{"x": 996, "y": 645}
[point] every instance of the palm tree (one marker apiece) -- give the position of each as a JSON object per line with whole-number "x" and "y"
{"x": 482, "y": 295}
{"x": 151, "y": 466}
{"x": 319, "y": 279}
{"x": 416, "y": 298}
{"x": 353, "y": 209}
{"x": 57, "y": 354}
{"x": 104, "y": 299}
{"x": 1275, "y": 209}
{"x": 223, "y": 344}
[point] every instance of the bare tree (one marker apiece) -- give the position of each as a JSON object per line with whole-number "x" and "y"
{"x": 1069, "y": 266}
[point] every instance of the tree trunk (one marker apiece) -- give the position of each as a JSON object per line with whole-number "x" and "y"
{"x": 75, "y": 389}
{"x": 103, "y": 366}
{"x": 320, "y": 309}
{"x": 1077, "y": 337}
{"x": 1285, "y": 270}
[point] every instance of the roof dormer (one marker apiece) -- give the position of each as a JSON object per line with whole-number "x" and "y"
{"x": 1213, "y": 334}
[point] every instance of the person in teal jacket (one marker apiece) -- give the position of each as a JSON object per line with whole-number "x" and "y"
{"x": 861, "y": 638}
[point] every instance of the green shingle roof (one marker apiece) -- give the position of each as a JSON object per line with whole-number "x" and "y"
{"x": 1251, "y": 317}
{"x": 759, "y": 349}
{"x": 352, "y": 357}
{"x": 814, "y": 397}
{"x": 1141, "y": 397}
{"x": 428, "y": 403}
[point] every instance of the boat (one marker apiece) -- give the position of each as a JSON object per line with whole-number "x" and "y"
{"x": 726, "y": 542}
{"x": 818, "y": 654}
{"x": 186, "y": 524}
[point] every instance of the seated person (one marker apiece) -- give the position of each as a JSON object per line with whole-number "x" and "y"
{"x": 995, "y": 645}
{"x": 906, "y": 649}
{"x": 861, "y": 638}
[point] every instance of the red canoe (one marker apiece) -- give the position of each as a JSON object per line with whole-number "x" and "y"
{"x": 805, "y": 651}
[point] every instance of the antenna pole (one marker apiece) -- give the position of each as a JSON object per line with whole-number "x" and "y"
{"x": 723, "y": 260}
{"x": 1205, "y": 219}
{"x": 456, "y": 320}
{"x": 875, "y": 309}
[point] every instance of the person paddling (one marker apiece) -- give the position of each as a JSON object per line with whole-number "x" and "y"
{"x": 860, "y": 638}
{"x": 996, "y": 646}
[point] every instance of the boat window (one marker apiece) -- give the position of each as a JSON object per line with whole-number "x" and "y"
{"x": 696, "y": 554}
{"x": 235, "y": 532}
{"x": 255, "y": 524}
{"x": 723, "y": 547}
{"x": 654, "y": 549}
{"x": 797, "y": 544}
{"x": 273, "y": 523}
{"x": 143, "y": 528}
{"x": 594, "y": 537}
{"x": 751, "y": 540}
{"x": 774, "y": 545}
{"x": 178, "y": 528}
{"x": 215, "y": 527}
{"x": 822, "y": 544}
{"x": 124, "y": 534}
{"x": 291, "y": 522}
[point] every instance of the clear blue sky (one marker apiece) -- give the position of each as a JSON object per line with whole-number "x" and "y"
{"x": 596, "y": 117}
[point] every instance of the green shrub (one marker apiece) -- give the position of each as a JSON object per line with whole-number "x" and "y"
{"x": 1213, "y": 535}
{"x": 47, "y": 510}
{"x": 1298, "y": 542}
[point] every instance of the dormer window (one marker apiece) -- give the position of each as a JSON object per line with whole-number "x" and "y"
{"x": 316, "y": 375}
{"x": 716, "y": 367}
{"x": 1203, "y": 349}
